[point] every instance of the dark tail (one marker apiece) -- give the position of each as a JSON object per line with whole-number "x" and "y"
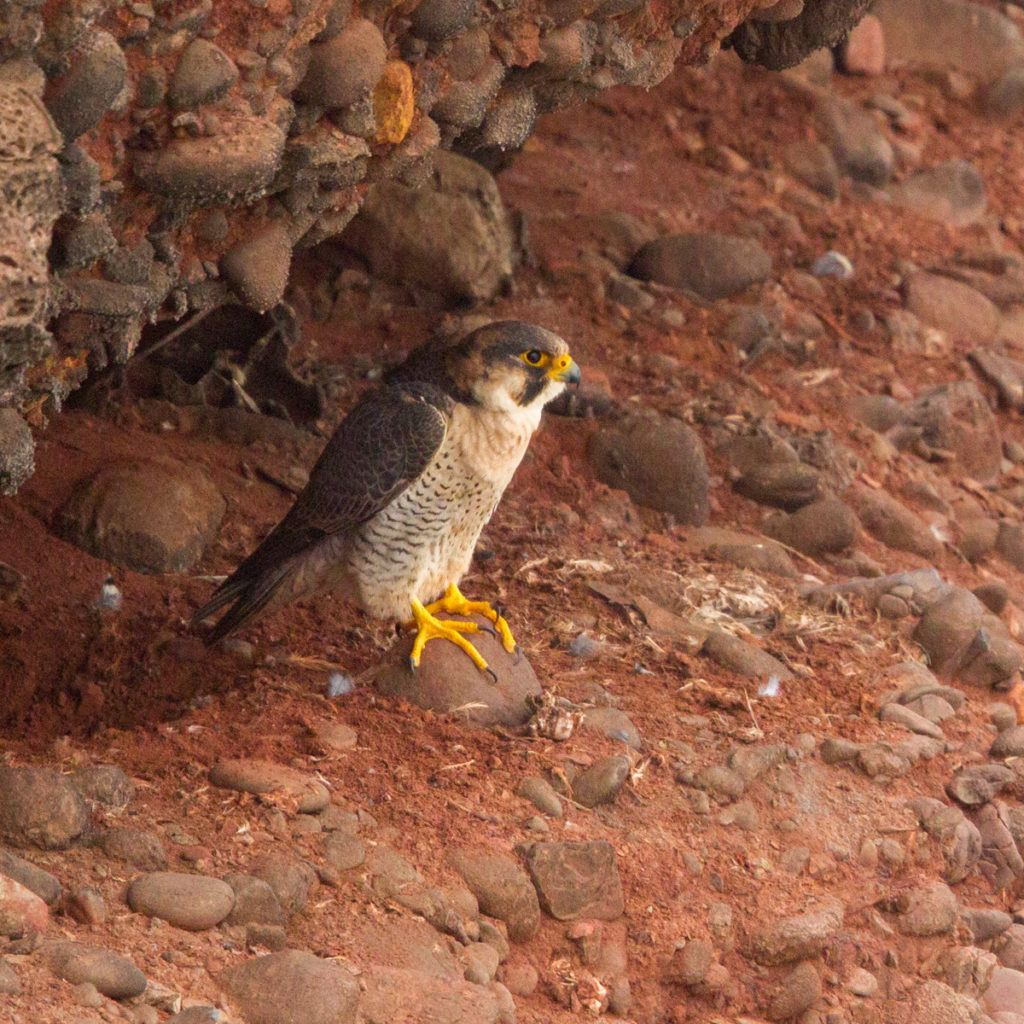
{"x": 247, "y": 597}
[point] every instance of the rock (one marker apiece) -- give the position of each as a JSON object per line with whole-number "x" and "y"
{"x": 788, "y": 486}
{"x": 985, "y": 923}
{"x": 1001, "y": 862}
{"x": 481, "y": 962}
{"x": 291, "y": 986}
{"x": 743, "y": 550}
{"x": 1005, "y": 991}
{"x": 192, "y": 902}
{"x": 289, "y": 786}
{"x": 17, "y": 451}
{"x": 946, "y": 629}
{"x": 394, "y": 103}
{"x": 203, "y": 75}
{"x": 877, "y": 412}
{"x": 344, "y": 852}
{"x": 539, "y": 792}
{"x": 1010, "y": 947}
{"x": 257, "y": 268}
{"x": 952, "y": 193}
{"x": 133, "y": 846}
{"x": 825, "y": 526}
{"x": 977, "y": 538}
{"x": 519, "y": 977}
{"x": 800, "y": 937}
{"x": 801, "y": 989}
{"x": 864, "y": 48}
{"x": 464, "y": 105}
{"x": 235, "y": 165}
{"x": 40, "y": 808}
{"x": 977, "y": 784}
{"x": 862, "y": 983}
{"x": 1009, "y": 743}
{"x": 658, "y": 461}
{"x": 448, "y": 681}
{"x": 934, "y": 1001}
{"x": 94, "y": 79}
{"x": 952, "y": 306}
{"x": 292, "y": 880}
{"x": 86, "y": 905}
{"x": 10, "y": 983}
{"x": 345, "y": 69}
{"x": 601, "y": 782}
{"x": 1010, "y": 543}
{"x": 722, "y": 783}
{"x": 115, "y": 976}
{"x": 502, "y": 888}
{"x": 196, "y": 1015}
{"x": 396, "y": 995}
{"x": 151, "y": 516}
{"x": 689, "y": 965}
{"x": 892, "y": 523}
{"x": 1004, "y": 98}
{"x": 509, "y": 120}
{"x": 880, "y": 760}
{"x": 813, "y": 164}
{"x": 33, "y": 878}
{"x": 740, "y": 656}
{"x": 21, "y": 910}
{"x": 713, "y": 265}
{"x": 929, "y": 910}
{"x": 1005, "y": 374}
{"x": 860, "y": 148}
{"x": 254, "y": 903}
{"x": 453, "y": 236}
{"x": 105, "y": 786}
{"x": 959, "y": 838}
{"x": 436, "y": 20}
{"x": 835, "y": 750}
{"x": 910, "y": 720}
{"x": 575, "y": 880}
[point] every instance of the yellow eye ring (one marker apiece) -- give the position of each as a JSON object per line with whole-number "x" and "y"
{"x": 534, "y": 357}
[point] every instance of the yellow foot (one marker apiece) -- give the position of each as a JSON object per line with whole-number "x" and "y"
{"x": 454, "y": 602}
{"x": 429, "y": 628}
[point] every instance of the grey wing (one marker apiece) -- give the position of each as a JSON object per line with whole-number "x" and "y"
{"x": 383, "y": 444}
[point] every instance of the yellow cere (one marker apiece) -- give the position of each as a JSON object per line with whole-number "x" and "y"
{"x": 561, "y": 364}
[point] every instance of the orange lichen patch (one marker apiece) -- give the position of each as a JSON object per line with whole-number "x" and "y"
{"x": 393, "y": 103}
{"x": 1015, "y": 698}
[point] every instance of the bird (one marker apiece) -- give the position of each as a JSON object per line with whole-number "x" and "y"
{"x": 396, "y": 502}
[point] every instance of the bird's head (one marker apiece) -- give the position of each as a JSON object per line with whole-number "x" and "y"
{"x": 512, "y": 365}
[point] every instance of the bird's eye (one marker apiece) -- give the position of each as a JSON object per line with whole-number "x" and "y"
{"x": 534, "y": 357}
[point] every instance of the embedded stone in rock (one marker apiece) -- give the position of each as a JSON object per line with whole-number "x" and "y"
{"x": 21, "y": 910}
{"x": 40, "y": 808}
{"x": 394, "y": 103}
{"x": 308, "y": 795}
{"x": 17, "y": 451}
{"x": 576, "y": 880}
{"x": 658, "y": 461}
{"x": 502, "y": 888}
{"x": 292, "y": 986}
{"x": 713, "y": 265}
{"x": 1009, "y": 743}
{"x": 601, "y": 782}
{"x": 977, "y": 784}
{"x": 952, "y": 306}
{"x": 41, "y": 882}
{"x": 204, "y": 74}
{"x": 113, "y": 975}
{"x": 860, "y": 147}
{"x": 614, "y": 724}
{"x": 192, "y": 902}
{"x": 142, "y": 850}
{"x": 951, "y": 192}
{"x": 447, "y": 680}
{"x": 255, "y": 902}
{"x": 153, "y": 516}
{"x": 930, "y": 910}
{"x": 813, "y": 164}
{"x": 257, "y": 268}
{"x": 235, "y": 165}
{"x": 787, "y": 486}
{"x": 452, "y": 236}
{"x": 85, "y": 92}
{"x": 825, "y": 526}
{"x": 796, "y": 938}
{"x": 345, "y": 68}
{"x": 892, "y": 523}
{"x": 801, "y": 989}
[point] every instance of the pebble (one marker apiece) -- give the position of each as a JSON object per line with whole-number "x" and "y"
{"x": 1004, "y": 97}
{"x": 113, "y": 975}
{"x": 801, "y": 989}
{"x": 257, "y": 267}
{"x": 40, "y": 808}
{"x": 85, "y": 92}
{"x": 502, "y": 888}
{"x": 437, "y": 20}
{"x": 481, "y": 962}
{"x": 951, "y": 192}
{"x": 722, "y": 783}
{"x": 795, "y": 860}
{"x": 254, "y": 903}
{"x": 614, "y": 724}
{"x": 658, "y": 461}
{"x": 689, "y": 965}
{"x": 892, "y": 523}
{"x": 713, "y": 265}
{"x": 911, "y": 720}
{"x": 977, "y": 784}
{"x": 946, "y": 629}
{"x": 540, "y": 793}
{"x": 344, "y": 852}
{"x": 292, "y": 880}
{"x": 601, "y": 782}
{"x": 41, "y": 882}
{"x": 825, "y": 526}
{"x": 832, "y": 264}
{"x": 835, "y": 750}
{"x": 1009, "y": 743}
{"x": 203, "y": 75}
{"x": 192, "y": 902}
{"x": 746, "y": 659}
{"x": 10, "y": 983}
{"x": 345, "y": 68}
{"x": 21, "y": 910}
{"x": 86, "y": 905}
{"x": 952, "y": 306}
{"x": 270, "y": 988}
{"x": 785, "y": 485}
{"x": 142, "y": 850}
{"x": 864, "y": 48}
{"x": 308, "y": 795}
{"x": 813, "y": 164}
{"x": 519, "y": 977}
{"x": 576, "y": 880}
{"x": 858, "y": 144}
{"x": 929, "y": 910}
{"x": 799, "y": 937}
{"x": 985, "y": 923}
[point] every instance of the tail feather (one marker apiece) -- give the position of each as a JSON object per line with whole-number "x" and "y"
{"x": 247, "y": 597}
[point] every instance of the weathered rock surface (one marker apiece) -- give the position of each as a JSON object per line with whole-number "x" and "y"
{"x": 192, "y": 902}
{"x": 502, "y": 888}
{"x": 576, "y": 880}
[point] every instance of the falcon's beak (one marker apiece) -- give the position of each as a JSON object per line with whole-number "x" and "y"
{"x": 565, "y": 370}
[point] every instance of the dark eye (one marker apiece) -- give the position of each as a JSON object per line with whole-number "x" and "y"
{"x": 533, "y": 357}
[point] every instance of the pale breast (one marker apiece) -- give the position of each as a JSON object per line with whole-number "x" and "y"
{"x": 425, "y": 538}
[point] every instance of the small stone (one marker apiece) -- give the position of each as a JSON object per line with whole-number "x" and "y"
{"x": 115, "y": 976}
{"x": 1005, "y": 992}
{"x": 86, "y": 91}
{"x": 21, "y": 910}
{"x": 862, "y": 983}
{"x": 1010, "y": 948}
{"x": 436, "y": 20}
{"x": 713, "y": 265}
{"x": 345, "y": 68}
{"x": 800, "y": 937}
{"x": 344, "y": 852}
{"x": 1009, "y": 743}
{"x": 481, "y": 962}
{"x": 614, "y": 724}
{"x": 502, "y": 888}
{"x": 813, "y": 164}
{"x": 10, "y": 983}
{"x": 17, "y": 451}
{"x": 720, "y": 782}
{"x": 86, "y": 994}
{"x": 783, "y": 485}
{"x": 540, "y": 793}
{"x": 86, "y": 905}
{"x": 519, "y": 977}
{"x": 952, "y": 193}
{"x": 257, "y": 268}
{"x": 266, "y": 778}
{"x": 203, "y": 75}
{"x": 929, "y": 910}
{"x": 1004, "y": 97}
{"x": 911, "y": 720}
{"x": 40, "y": 808}
{"x": 192, "y": 902}
{"x": 105, "y": 785}
{"x": 266, "y": 987}
{"x": 858, "y": 144}
{"x": 952, "y": 306}
{"x": 255, "y": 902}
{"x": 746, "y": 659}
{"x": 601, "y": 782}
{"x": 575, "y": 880}
{"x": 133, "y": 846}
{"x": 292, "y": 881}
{"x": 795, "y": 860}
{"x": 742, "y": 814}
{"x": 977, "y": 784}
{"x": 892, "y": 523}
{"x": 825, "y": 526}
{"x": 689, "y": 965}
{"x": 394, "y": 103}
{"x": 864, "y": 48}
{"x": 835, "y": 750}
{"x": 41, "y": 882}
{"x": 801, "y": 989}
{"x": 985, "y": 923}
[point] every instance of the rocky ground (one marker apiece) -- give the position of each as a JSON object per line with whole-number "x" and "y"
{"x": 766, "y": 567}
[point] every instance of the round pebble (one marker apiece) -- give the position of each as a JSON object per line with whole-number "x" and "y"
{"x": 192, "y": 902}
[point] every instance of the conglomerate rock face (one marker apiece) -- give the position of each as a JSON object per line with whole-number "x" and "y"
{"x": 161, "y": 158}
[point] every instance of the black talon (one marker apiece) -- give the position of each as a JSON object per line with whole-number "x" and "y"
{"x": 413, "y": 666}
{"x": 487, "y": 629}
{"x": 494, "y": 675}
{"x": 518, "y": 652}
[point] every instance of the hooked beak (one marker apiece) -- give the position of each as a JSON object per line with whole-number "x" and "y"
{"x": 565, "y": 370}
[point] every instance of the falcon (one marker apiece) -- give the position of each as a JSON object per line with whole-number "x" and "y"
{"x": 396, "y": 502}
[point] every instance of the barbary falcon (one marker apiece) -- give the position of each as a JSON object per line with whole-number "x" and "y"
{"x": 396, "y": 502}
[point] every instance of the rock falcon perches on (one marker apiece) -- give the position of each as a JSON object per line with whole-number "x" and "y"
{"x": 397, "y": 500}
